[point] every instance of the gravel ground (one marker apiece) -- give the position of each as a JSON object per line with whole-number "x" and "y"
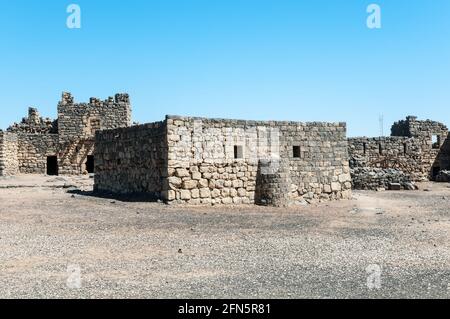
{"x": 49, "y": 238}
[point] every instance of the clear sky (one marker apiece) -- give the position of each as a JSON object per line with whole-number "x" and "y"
{"x": 312, "y": 60}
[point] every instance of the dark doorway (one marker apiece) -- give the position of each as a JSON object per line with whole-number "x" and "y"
{"x": 435, "y": 172}
{"x": 52, "y": 165}
{"x": 90, "y": 164}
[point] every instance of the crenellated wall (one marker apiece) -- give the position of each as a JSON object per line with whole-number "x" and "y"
{"x": 78, "y": 122}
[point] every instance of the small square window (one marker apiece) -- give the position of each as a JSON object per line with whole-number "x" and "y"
{"x": 296, "y": 152}
{"x": 238, "y": 152}
{"x": 436, "y": 141}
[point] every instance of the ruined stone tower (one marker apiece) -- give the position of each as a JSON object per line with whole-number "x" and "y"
{"x": 63, "y": 146}
{"x": 273, "y": 184}
{"x": 77, "y": 124}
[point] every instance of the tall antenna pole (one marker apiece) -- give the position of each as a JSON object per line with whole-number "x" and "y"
{"x": 381, "y": 119}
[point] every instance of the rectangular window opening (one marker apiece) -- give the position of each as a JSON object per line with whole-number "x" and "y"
{"x": 296, "y": 152}
{"x": 238, "y": 152}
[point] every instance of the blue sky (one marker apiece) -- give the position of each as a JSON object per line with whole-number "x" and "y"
{"x": 252, "y": 59}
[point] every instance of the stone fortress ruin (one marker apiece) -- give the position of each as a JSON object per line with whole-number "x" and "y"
{"x": 216, "y": 161}
{"x": 191, "y": 160}
{"x": 63, "y": 146}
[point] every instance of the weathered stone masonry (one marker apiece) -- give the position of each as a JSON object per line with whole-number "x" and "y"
{"x": 132, "y": 160}
{"x": 220, "y": 161}
{"x": 77, "y": 124}
{"x": 420, "y": 149}
{"x": 29, "y": 146}
{"x": 216, "y": 161}
{"x": 9, "y": 163}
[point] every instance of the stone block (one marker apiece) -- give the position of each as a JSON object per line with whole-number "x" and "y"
{"x": 196, "y": 176}
{"x": 189, "y": 184}
{"x": 205, "y": 192}
{"x": 195, "y": 193}
{"x": 227, "y": 200}
{"x": 185, "y": 194}
{"x": 238, "y": 183}
{"x": 175, "y": 181}
{"x": 203, "y": 183}
{"x": 182, "y": 172}
{"x": 336, "y": 187}
{"x": 241, "y": 192}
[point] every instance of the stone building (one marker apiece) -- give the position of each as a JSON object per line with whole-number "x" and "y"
{"x": 63, "y": 146}
{"x": 420, "y": 149}
{"x": 216, "y": 161}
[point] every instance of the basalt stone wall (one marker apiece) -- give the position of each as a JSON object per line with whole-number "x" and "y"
{"x": 370, "y": 178}
{"x": 9, "y": 164}
{"x": 216, "y": 161}
{"x": 78, "y": 122}
{"x": 434, "y": 140}
{"x": 402, "y": 153}
{"x": 273, "y": 187}
{"x": 411, "y": 127}
{"x": 132, "y": 160}
{"x": 419, "y": 148}
{"x": 33, "y": 150}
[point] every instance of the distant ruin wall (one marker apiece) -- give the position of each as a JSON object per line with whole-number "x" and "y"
{"x": 9, "y": 164}
{"x": 418, "y": 148}
{"x": 132, "y": 160}
{"x": 400, "y": 153}
{"x": 411, "y": 127}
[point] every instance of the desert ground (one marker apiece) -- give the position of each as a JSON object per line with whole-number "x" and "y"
{"x": 59, "y": 241}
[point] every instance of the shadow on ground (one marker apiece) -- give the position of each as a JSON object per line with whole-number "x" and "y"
{"x": 139, "y": 198}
